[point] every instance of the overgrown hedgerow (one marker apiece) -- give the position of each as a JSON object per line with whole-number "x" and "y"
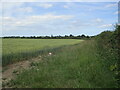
{"x": 108, "y": 44}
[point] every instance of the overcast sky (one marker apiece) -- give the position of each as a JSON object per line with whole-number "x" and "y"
{"x": 58, "y": 18}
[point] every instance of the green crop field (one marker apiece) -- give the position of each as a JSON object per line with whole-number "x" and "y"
{"x": 18, "y": 49}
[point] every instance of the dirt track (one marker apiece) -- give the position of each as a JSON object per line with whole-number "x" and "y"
{"x": 10, "y": 71}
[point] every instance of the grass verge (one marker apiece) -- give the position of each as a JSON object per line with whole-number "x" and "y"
{"x": 76, "y": 66}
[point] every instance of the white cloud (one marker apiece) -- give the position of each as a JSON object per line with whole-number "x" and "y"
{"x": 111, "y": 5}
{"x": 26, "y": 9}
{"x": 59, "y": 0}
{"x": 10, "y": 21}
{"x": 117, "y": 12}
{"x": 78, "y": 24}
{"x": 51, "y": 17}
{"x": 45, "y": 5}
{"x": 66, "y": 6}
{"x": 6, "y": 18}
{"x": 106, "y": 26}
{"x": 10, "y": 8}
{"x": 98, "y": 20}
{"x": 8, "y": 5}
{"x": 15, "y": 8}
{"x": 69, "y": 5}
{"x": 20, "y": 0}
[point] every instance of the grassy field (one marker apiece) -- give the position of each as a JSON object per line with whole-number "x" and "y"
{"x": 19, "y": 49}
{"x": 75, "y": 66}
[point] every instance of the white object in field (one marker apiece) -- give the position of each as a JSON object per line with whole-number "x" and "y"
{"x": 49, "y": 54}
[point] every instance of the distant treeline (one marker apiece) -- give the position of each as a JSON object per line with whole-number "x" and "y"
{"x": 53, "y": 37}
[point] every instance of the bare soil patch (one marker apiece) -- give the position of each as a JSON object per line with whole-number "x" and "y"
{"x": 11, "y": 71}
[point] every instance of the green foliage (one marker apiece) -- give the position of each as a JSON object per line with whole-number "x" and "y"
{"x": 76, "y": 66}
{"x": 108, "y": 44}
